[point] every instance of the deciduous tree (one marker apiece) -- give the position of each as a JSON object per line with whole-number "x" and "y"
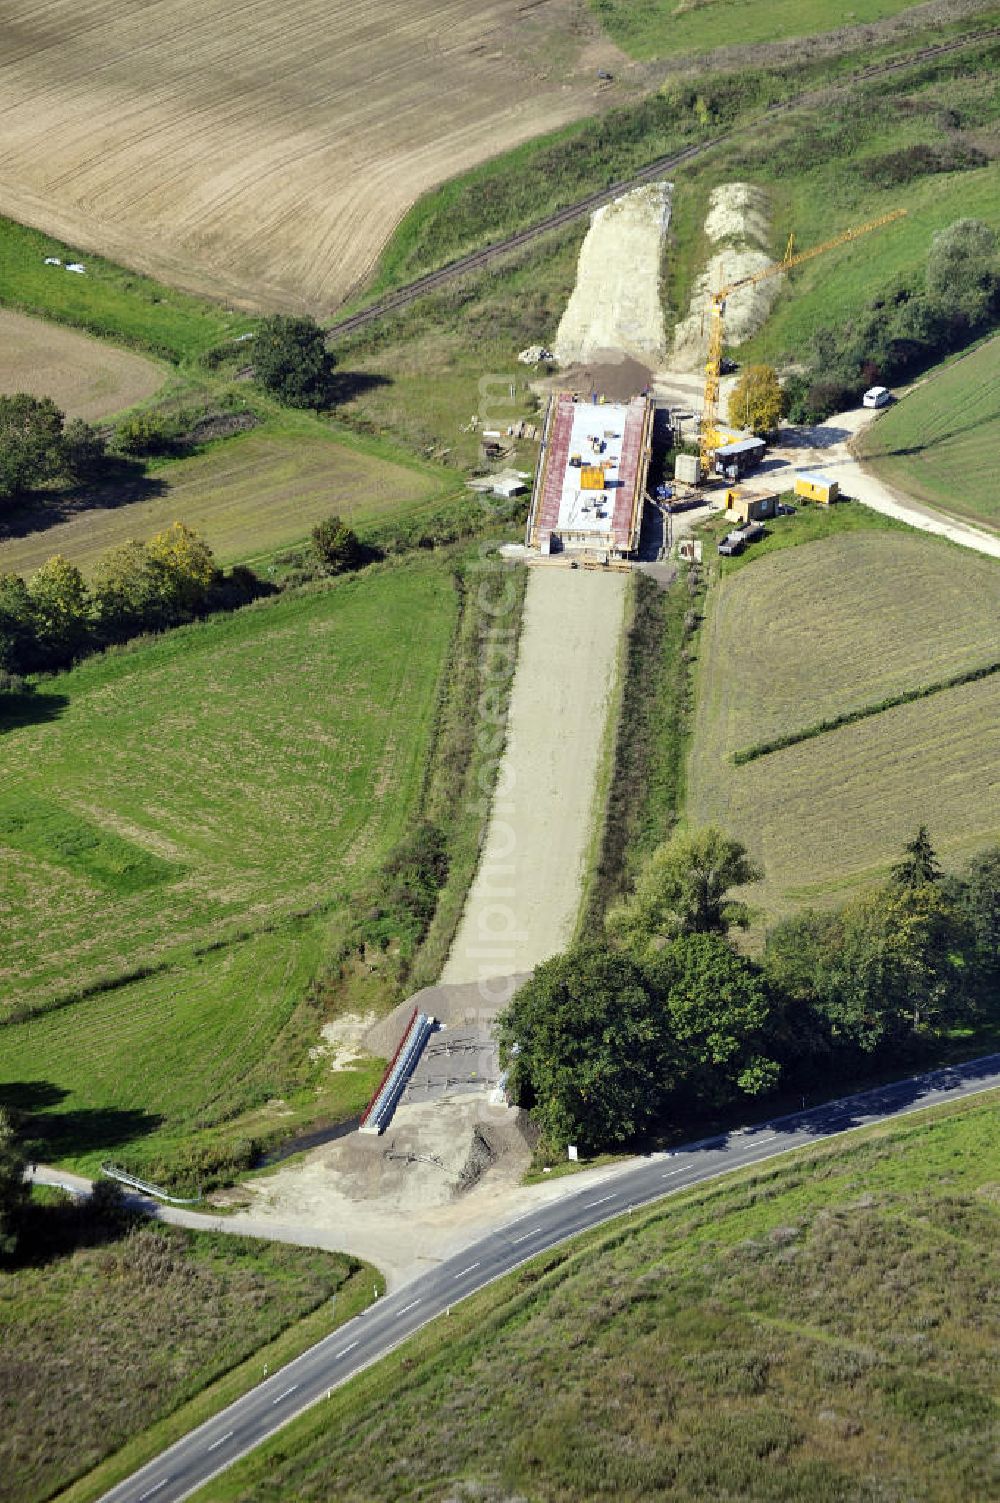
{"x": 685, "y": 889}
{"x": 183, "y": 566}
{"x": 583, "y": 1044}
{"x": 30, "y": 443}
{"x": 291, "y": 360}
{"x": 13, "y": 1189}
{"x": 756, "y": 400}
{"x": 337, "y": 545}
{"x": 61, "y": 609}
{"x": 716, "y": 1013}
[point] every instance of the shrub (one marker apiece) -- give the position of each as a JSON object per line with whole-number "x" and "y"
{"x": 337, "y": 546}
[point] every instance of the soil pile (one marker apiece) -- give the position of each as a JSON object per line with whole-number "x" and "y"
{"x": 737, "y": 223}
{"x": 615, "y": 308}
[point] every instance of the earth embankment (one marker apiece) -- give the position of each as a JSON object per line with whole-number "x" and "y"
{"x": 523, "y": 904}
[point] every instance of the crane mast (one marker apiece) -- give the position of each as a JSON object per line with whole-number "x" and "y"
{"x": 709, "y": 436}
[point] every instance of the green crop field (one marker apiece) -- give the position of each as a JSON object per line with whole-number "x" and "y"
{"x": 143, "y": 1070}
{"x": 663, "y": 28}
{"x": 939, "y": 444}
{"x": 835, "y": 626}
{"x": 247, "y": 496}
{"x": 109, "y": 300}
{"x": 818, "y": 1330}
{"x": 248, "y": 768}
{"x": 102, "y": 1342}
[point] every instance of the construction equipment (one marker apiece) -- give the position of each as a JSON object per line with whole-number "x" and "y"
{"x": 709, "y": 436}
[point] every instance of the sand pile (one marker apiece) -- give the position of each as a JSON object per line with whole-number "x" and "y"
{"x": 615, "y": 307}
{"x": 737, "y": 222}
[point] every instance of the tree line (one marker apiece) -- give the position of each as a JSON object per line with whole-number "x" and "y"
{"x": 54, "y": 617}
{"x": 910, "y": 326}
{"x": 661, "y": 1019}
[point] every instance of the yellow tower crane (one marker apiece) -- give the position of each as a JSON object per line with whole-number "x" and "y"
{"x": 709, "y": 432}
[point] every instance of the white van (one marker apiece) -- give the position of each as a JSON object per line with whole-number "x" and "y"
{"x": 876, "y": 396}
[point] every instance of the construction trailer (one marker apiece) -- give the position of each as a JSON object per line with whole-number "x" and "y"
{"x": 737, "y": 459}
{"x": 817, "y": 488}
{"x": 749, "y": 506}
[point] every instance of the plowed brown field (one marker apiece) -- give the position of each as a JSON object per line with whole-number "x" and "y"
{"x": 83, "y": 376}
{"x": 265, "y": 152}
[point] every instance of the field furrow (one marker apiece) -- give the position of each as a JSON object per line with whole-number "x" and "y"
{"x": 244, "y": 142}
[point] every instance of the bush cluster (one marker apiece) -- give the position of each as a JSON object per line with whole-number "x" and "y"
{"x": 37, "y": 446}
{"x": 907, "y": 328}
{"x": 398, "y": 908}
{"x": 54, "y": 618}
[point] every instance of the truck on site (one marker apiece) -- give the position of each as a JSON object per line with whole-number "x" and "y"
{"x": 734, "y": 542}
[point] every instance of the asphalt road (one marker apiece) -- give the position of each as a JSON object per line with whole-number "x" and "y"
{"x": 219, "y": 1442}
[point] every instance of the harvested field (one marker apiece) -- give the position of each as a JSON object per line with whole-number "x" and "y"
{"x": 524, "y": 903}
{"x": 939, "y": 444}
{"x": 247, "y": 497}
{"x": 838, "y": 625}
{"x": 252, "y": 766}
{"x": 84, "y": 377}
{"x": 265, "y": 154}
{"x": 615, "y": 308}
{"x": 809, "y": 633}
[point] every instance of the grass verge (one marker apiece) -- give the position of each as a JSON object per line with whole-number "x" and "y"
{"x": 938, "y": 443}
{"x": 109, "y": 301}
{"x": 114, "y": 1348}
{"x": 646, "y": 789}
{"x": 805, "y": 1330}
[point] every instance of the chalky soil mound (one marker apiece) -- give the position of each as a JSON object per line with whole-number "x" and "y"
{"x": 615, "y": 309}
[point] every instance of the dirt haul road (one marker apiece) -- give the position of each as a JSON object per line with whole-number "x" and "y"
{"x": 523, "y": 904}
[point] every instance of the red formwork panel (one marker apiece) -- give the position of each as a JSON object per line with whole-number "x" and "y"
{"x": 560, "y": 434}
{"x": 628, "y": 472}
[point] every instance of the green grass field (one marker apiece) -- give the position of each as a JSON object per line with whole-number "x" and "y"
{"x": 103, "y": 1343}
{"x": 836, "y": 626}
{"x": 818, "y": 1330}
{"x": 110, "y": 300}
{"x": 662, "y": 28}
{"x": 938, "y": 445}
{"x": 247, "y": 496}
{"x": 266, "y": 760}
{"x": 215, "y": 1048}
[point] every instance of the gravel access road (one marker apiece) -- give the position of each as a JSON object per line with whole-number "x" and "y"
{"x": 523, "y": 904}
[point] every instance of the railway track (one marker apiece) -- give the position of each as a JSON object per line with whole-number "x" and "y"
{"x": 479, "y": 259}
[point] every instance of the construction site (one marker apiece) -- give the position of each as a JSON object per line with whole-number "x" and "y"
{"x": 593, "y": 484}
{"x": 591, "y": 480}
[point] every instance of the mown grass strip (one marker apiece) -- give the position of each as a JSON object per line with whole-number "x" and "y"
{"x": 44, "y": 829}
{"x": 850, "y": 717}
